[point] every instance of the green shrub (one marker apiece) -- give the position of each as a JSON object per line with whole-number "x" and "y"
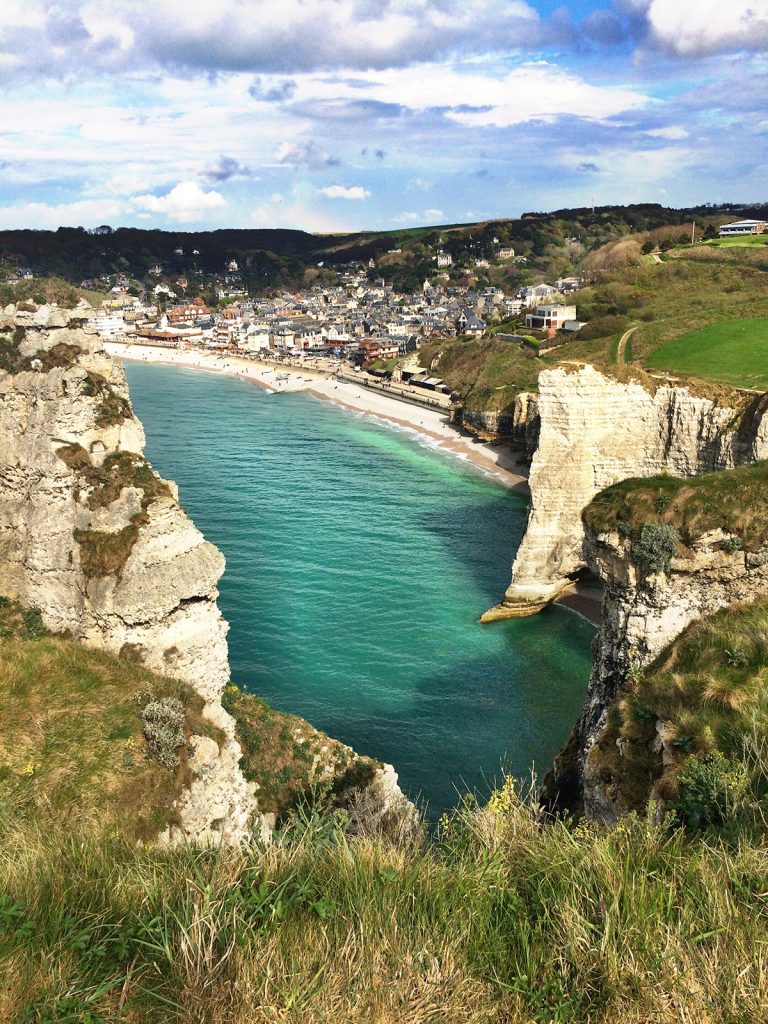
{"x": 732, "y": 545}
{"x": 656, "y": 546}
{"x": 712, "y": 791}
{"x": 164, "y": 729}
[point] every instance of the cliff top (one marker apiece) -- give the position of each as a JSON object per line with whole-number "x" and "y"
{"x": 80, "y": 741}
{"x": 733, "y": 501}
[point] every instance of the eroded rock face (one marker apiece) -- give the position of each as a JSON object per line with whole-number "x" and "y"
{"x": 518, "y": 423}
{"x": 93, "y": 538}
{"x": 596, "y": 431}
{"x": 642, "y": 614}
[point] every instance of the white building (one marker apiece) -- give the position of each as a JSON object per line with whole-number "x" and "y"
{"x": 444, "y": 259}
{"x": 549, "y": 317}
{"x": 109, "y": 326}
{"x": 744, "y": 227}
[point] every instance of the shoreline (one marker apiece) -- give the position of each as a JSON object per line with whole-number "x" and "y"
{"x": 496, "y": 460}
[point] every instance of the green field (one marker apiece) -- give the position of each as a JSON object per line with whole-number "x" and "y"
{"x": 735, "y": 351}
{"x": 738, "y": 241}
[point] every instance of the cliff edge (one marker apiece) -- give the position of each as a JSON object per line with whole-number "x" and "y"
{"x": 678, "y": 660}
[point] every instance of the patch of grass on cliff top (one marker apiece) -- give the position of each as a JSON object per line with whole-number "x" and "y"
{"x": 486, "y": 372}
{"x": 734, "y": 351}
{"x": 735, "y": 501}
{"x": 72, "y": 746}
{"x": 709, "y": 688}
{"x": 288, "y": 758}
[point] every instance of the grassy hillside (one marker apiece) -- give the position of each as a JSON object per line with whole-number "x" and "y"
{"x": 734, "y": 351}
{"x": 76, "y": 744}
{"x": 72, "y": 739}
{"x": 500, "y": 919}
{"x": 732, "y": 501}
{"x": 486, "y": 372}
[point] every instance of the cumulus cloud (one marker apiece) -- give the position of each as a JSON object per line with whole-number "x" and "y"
{"x": 306, "y": 154}
{"x": 270, "y": 90}
{"x": 344, "y": 192}
{"x": 85, "y": 213}
{"x": 709, "y": 26}
{"x": 262, "y": 36}
{"x": 224, "y": 168}
{"x": 185, "y": 203}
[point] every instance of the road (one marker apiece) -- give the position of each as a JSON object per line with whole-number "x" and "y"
{"x": 623, "y": 344}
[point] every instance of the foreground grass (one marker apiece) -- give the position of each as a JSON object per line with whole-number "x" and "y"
{"x": 501, "y": 920}
{"x": 735, "y": 351}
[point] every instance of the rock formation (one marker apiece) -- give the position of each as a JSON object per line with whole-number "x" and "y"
{"x": 643, "y": 611}
{"x": 518, "y": 423}
{"x": 93, "y": 538}
{"x": 597, "y": 429}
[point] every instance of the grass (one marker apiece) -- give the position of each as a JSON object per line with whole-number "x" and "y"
{"x": 487, "y": 372}
{"x": 733, "y": 501}
{"x": 287, "y": 757}
{"x": 498, "y": 920}
{"x": 698, "y": 285}
{"x": 72, "y": 745}
{"x": 736, "y": 242}
{"x": 502, "y": 916}
{"x": 707, "y": 693}
{"x": 734, "y": 351}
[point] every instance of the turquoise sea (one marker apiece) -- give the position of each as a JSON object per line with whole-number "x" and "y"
{"x": 358, "y": 562}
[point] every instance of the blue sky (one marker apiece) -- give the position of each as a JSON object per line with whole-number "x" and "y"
{"x": 341, "y": 114}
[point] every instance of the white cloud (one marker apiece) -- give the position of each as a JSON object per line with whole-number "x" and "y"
{"x": 709, "y": 26}
{"x": 344, "y": 192}
{"x": 307, "y": 154}
{"x": 185, "y": 203}
{"x": 672, "y": 132}
{"x": 86, "y": 213}
{"x": 434, "y": 214}
{"x": 262, "y": 36}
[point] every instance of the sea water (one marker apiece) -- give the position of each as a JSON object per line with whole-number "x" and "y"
{"x": 358, "y": 562}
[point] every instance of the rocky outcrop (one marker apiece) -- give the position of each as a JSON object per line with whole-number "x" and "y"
{"x": 642, "y": 614}
{"x": 517, "y": 423}
{"x": 93, "y": 538}
{"x": 596, "y": 430}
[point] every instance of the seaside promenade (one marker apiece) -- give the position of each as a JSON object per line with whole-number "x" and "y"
{"x": 390, "y": 404}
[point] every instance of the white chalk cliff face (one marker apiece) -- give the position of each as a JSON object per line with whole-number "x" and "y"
{"x": 596, "y": 431}
{"x": 91, "y": 536}
{"x": 161, "y": 603}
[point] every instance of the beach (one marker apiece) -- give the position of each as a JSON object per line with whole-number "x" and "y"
{"x": 498, "y": 460}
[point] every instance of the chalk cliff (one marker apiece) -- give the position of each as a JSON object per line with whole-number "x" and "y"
{"x": 720, "y": 560}
{"x": 91, "y": 536}
{"x": 596, "y": 429}
{"x": 518, "y": 422}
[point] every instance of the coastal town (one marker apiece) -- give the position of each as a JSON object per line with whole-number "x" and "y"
{"x": 356, "y": 324}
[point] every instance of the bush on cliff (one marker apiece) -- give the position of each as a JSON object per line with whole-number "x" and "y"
{"x": 656, "y": 546}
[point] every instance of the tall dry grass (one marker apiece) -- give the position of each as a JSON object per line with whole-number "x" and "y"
{"x": 499, "y": 918}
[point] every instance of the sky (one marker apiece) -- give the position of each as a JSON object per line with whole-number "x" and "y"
{"x": 334, "y": 115}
